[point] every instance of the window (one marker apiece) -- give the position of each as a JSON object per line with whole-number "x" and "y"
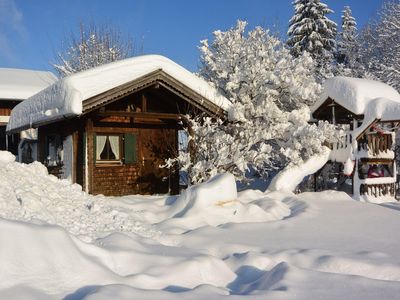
{"x": 115, "y": 148}
{"x": 54, "y": 150}
{"x": 108, "y": 148}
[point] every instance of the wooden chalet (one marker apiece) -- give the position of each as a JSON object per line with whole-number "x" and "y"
{"x": 7, "y": 142}
{"x": 369, "y": 112}
{"x": 16, "y": 85}
{"x": 118, "y": 124}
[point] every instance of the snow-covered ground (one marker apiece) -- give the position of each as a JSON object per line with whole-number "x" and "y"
{"x": 211, "y": 242}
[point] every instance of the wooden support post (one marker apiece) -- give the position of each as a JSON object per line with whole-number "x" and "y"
{"x": 369, "y": 139}
{"x": 144, "y": 103}
{"x": 75, "y": 155}
{"x": 90, "y": 155}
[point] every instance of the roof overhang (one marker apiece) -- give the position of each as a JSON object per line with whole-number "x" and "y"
{"x": 342, "y": 114}
{"x": 157, "y": 77}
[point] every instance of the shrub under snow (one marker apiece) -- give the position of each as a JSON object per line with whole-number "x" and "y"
{"x": 268, "y": 125}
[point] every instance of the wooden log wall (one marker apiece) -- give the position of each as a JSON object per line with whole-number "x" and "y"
{"x": 116, "y": 180}
{"x": 143, "y": 176}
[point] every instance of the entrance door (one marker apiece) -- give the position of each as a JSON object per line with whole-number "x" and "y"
{"x": 9, "y": 141}
{"x": 156, "y": 146}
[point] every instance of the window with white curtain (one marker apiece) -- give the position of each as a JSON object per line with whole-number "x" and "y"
{"x": 108, "y": 148}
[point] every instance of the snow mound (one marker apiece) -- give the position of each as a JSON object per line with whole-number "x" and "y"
{"x": 218, "y": 191}
{"x": 46, "y": 258}
{"x": 355, "y": 93}
{"x": 48, "y": 261}
{"x": 290, "y": 177}
{"x": 6, "y": 157}
{"x": 216, "y": 202}
{"x": 29, "y": 193}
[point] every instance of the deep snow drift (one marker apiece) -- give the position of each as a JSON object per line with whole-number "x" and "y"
{"x": 211, "y": 242}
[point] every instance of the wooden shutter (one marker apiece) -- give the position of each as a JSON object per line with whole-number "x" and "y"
{"x": 130, "y": 148}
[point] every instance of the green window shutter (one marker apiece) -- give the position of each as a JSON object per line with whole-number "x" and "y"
{"x": 130, "y": 148}
{"x": 94, "y": 147}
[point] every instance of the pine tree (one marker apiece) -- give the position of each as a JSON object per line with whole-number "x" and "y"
{"x": 347, "y": 55}
{"x": 310, "y": 30}
{"x": 347, "y": 38}
{"x": 381, "y": 45}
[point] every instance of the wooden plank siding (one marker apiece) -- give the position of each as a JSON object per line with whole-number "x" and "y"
{"x": 5, "y": 111}
{"x": 154, "y": 144}
{"x": 378, "y": 190}
{"x": 148, "y": 112}
{"x": 6, "y": 106}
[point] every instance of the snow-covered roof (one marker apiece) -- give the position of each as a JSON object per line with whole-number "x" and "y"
{"x": 19, "y": 84}
{"x": 65, "y": 98}
{"x": 355, "y": 94}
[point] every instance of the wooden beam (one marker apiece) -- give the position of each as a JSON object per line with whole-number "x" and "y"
{"x": 140, "y": 115}
{"x": 156, "y": 77}
{"x": 144, "y": 103}
{"x": 368, "y": 127}
{"x": 75, "y": 155}
{"x": 376, "y": 160}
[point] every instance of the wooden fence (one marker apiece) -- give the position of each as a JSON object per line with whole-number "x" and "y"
{"x": 378, "y": 190}
{"x": 376, "y": 143}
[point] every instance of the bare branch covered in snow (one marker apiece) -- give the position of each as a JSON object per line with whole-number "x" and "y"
{"x": 93, "y": 46}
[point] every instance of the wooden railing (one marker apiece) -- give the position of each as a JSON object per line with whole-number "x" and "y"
{"x": 344, "y": 142}
{"x": 378, "y": 190}
{"x": 376, "y": 142}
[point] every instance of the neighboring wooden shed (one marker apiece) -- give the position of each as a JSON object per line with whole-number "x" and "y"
{"x": 369, "y": 112}
{"x": 17, "y": 85}
{"x": 112, "y": 127}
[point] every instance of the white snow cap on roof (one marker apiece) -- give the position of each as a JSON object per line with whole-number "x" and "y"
{"x": 355, "y": 93}
{"x": 19, "y": 84}
{"x": 65, "y": 98}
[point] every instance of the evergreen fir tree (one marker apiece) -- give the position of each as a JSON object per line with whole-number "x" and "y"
{"x": 347, "y": 44}
{"x": 310, "y": 30}
{"x": 348, "y": 54}
{"x": 380, "y": 45}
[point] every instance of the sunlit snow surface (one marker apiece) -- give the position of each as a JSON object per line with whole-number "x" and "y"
{"x": 210, "y": 243}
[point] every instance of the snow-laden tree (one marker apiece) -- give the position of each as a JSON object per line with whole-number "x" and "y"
{"x": 268, "y": 123}
{"x": 311, "y": 30}
{"x": 347, "y": 38}
{"x": 93, "y": 46}
{"x": 348, "y": 54}
{"x": 381, "y": 45}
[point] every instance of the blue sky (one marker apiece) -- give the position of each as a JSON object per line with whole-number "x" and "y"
{"x": 32, "y": 31}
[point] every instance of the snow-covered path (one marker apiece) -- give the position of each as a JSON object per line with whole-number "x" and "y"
{"x": 211, "y": 242}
